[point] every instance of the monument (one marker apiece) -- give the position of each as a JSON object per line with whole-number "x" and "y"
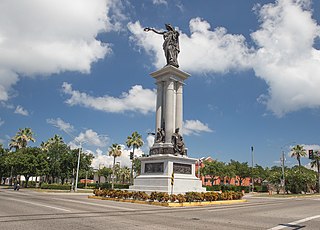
{"x": 168, "y": 161}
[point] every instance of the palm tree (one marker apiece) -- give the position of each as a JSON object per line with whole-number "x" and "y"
{"x": 114, "y": 151}
{"x": 316, "y": 163}
{"x": 21, "y": 139}
{"x": 125, "y": 174}
{"x": 51, "y": 141}
{"x": 135, "y": 140}
{"x": 298, "y": 151}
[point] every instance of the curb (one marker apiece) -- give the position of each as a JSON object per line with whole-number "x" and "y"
{"x": 164, "y": 204}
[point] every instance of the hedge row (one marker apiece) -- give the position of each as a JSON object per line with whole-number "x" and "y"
{"x": 246, "y": 189}
{"x": 56, "y": 186}
{"x": 103, "y": 185}
{"x": 165, "y": 197}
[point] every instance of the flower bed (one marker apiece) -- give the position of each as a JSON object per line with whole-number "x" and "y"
{"x": 164, "y": 197}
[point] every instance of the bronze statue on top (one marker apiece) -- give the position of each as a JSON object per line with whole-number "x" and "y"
{"x": 170, "y": 44}
{"x": 178, "y": 144}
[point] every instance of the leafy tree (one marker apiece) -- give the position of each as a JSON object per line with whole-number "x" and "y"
{"x": 214, "y": 169}
{"x": 274, "y": 177}
{"x": 27, "y": 161}
{"x": 114, "y": 151}
{"x": 134, "y": 141}
{"x": 105, "y": 172}
{"x": 136, "y": 166}
{"x": 259, "y": 173}
{"x": 298, "y": 151}
{"x": 242, "y": 170}
{"x": 59, "y": 159}
{"x": 4, "y": 169}
{"x": 300, "y": 179}
{"x": 315, "y": 162}
{"x": 21, "y": 139}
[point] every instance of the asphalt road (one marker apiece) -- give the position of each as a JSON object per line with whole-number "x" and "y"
{"x": 27, "y": 209}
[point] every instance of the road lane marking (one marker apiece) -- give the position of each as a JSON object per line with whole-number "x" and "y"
{"x": 294, "y": 223}
{"x": 38, "y": 204}
{"x": 94, "y": 204}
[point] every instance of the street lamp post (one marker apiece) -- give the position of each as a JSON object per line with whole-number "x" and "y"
{"x": 78, "y": 165}
{"x": 252, "y": 173}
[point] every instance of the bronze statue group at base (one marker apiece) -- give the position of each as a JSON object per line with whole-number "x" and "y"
{"x": 176, "y": 140}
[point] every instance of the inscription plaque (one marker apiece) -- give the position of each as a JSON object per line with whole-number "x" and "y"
{"x": 161, "y": 150}
{"x": 154, "y": 167}
{"x": 181, "y": 168}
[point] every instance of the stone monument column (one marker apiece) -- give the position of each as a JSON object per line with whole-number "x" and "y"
{"x": 169, "y": 110}
{"x": 159, "y": 108}
{"x": 179, "y": 105}
{"x": 169, "y": 117}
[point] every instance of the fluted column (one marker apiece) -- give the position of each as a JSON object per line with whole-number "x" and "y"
{"x": 159, "y": 108}
{"x": 169, "y": 110}
{"x": 179, "y": 106}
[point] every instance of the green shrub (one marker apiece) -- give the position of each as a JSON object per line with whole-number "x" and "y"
{"x": 194, "y": 196}
{"x": 213, "y": 188}
{"x": 56, "y": 186}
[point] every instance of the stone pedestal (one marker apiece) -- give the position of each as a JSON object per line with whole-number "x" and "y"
{"x": 156, "y": 172}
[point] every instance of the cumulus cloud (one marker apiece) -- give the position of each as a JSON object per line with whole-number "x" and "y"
{"x": 90, "y": 137}
{"x": 61, "y": 124}
{"x": 194, "y": 127}
{"x": 20, "y": 110}
{"x": 283, "y": 56}
{"x": 137, "y": 100}
{"x": 41, "y": 37}
{"x": 102, "y": 159}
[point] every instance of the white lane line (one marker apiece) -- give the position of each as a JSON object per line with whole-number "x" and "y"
{"x": 294, "y": 223}
{"x": 226, "y": 208}
{"x": 94, "y": 204}
{"x": 38, "y": 204}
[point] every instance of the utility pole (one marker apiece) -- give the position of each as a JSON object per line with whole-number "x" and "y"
{"x": 252, "y": 172}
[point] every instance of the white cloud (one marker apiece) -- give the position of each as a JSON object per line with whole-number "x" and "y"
{"x": 42, "y": 37}
{"x": 137, "y": 100}
{"x": 102, "y": 159}
{"x": 313, "y": 147}
{"x": 90, "y": 137}
{"x": 20, "y": 110}
{"x": 150, "y": 140}
{"x": 194, "y": 127}
{"x": 62, "y": 125}
{"x": 159, "y": 2}
{"x": 284, "y": 56}
{"x": 1, "y": 122}
{"x": 203, "y": 51}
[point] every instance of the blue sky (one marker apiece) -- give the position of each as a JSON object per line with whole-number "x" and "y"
{"x": 83, "y": 67}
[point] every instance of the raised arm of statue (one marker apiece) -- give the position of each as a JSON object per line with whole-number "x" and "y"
{"x": 147, "y": 29}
